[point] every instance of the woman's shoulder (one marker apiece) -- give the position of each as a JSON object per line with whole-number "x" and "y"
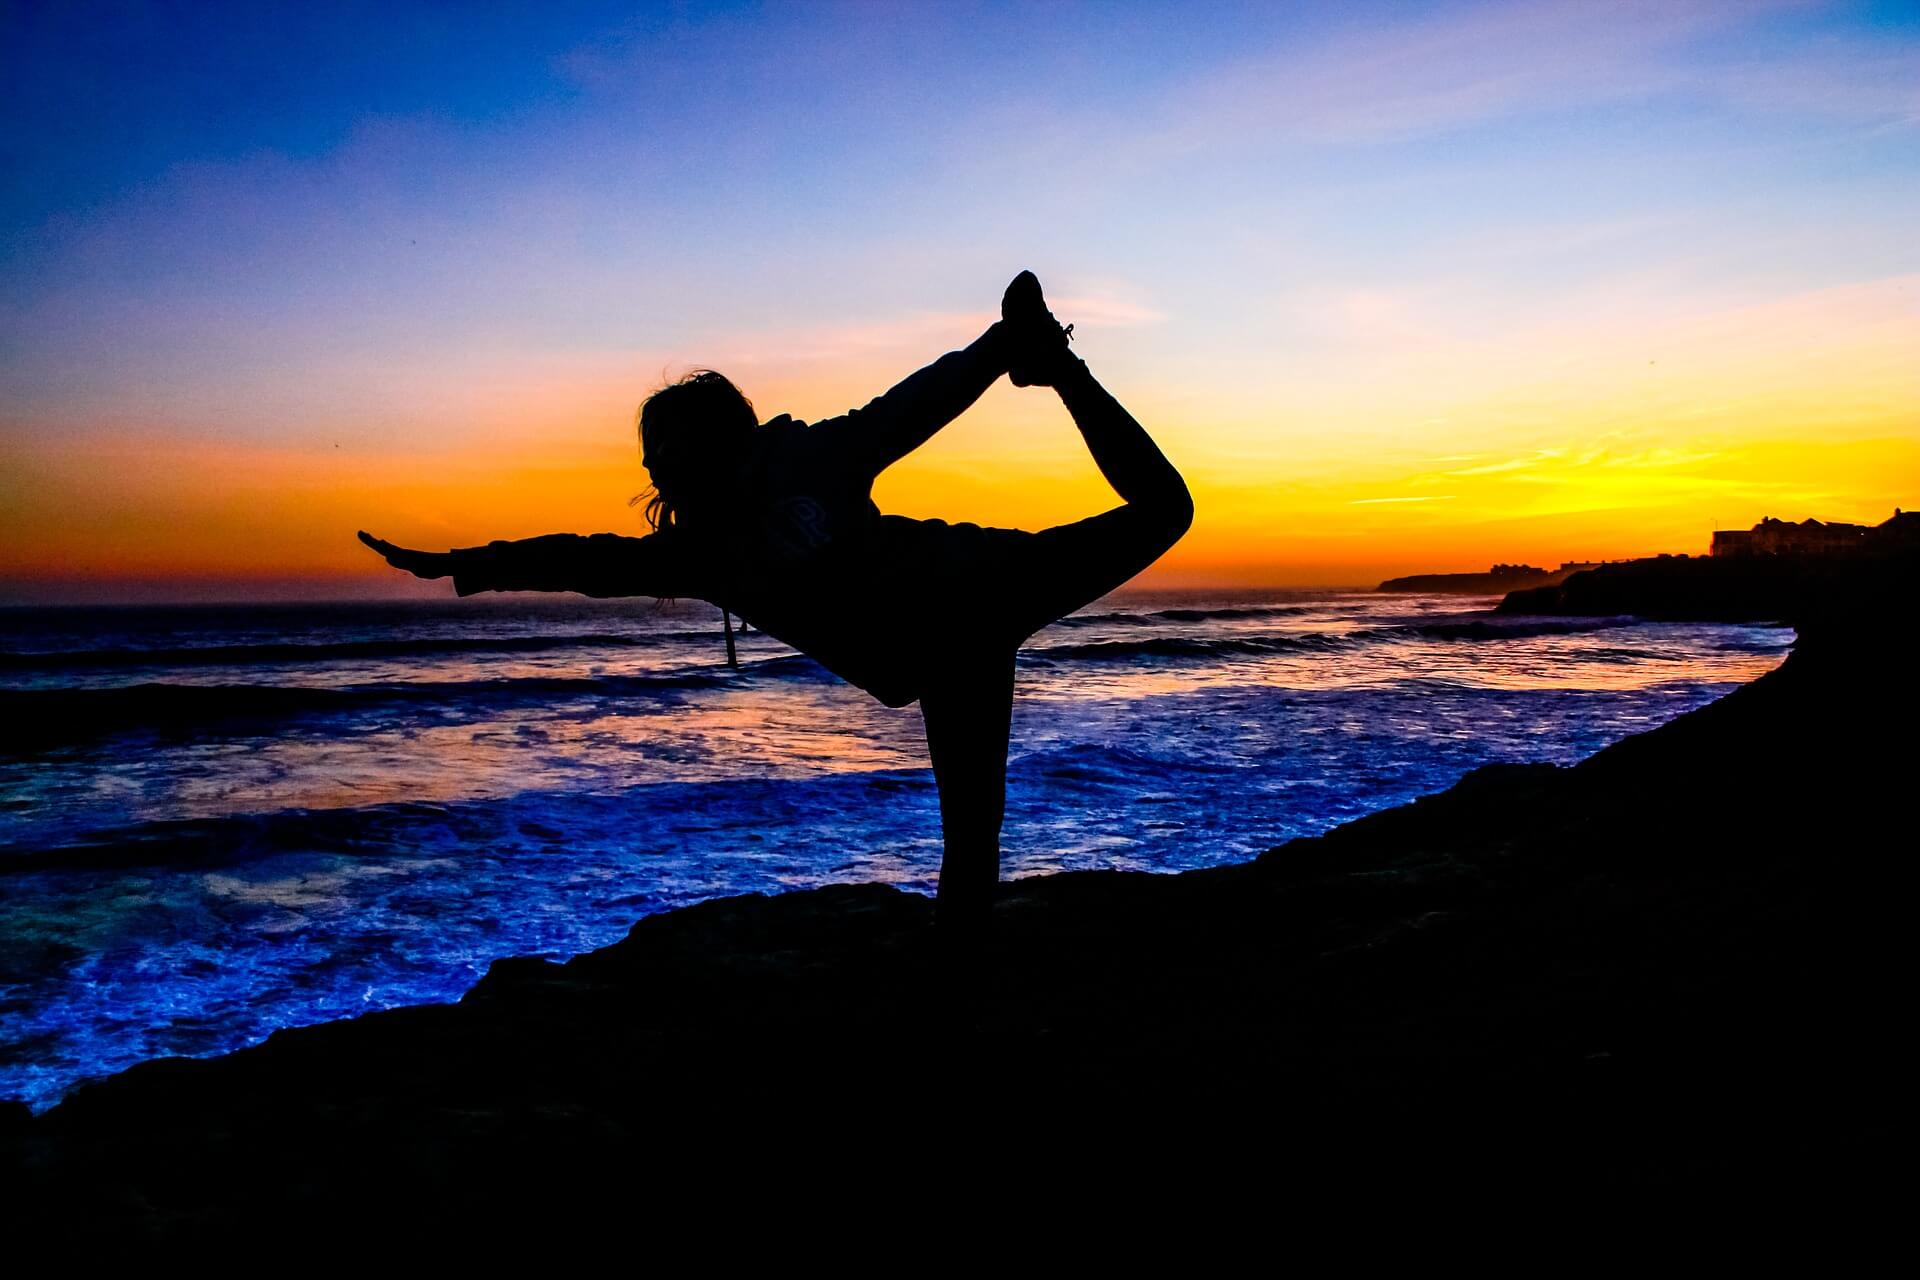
{"x": 785, "y": 428}
{"x": 822, "y": 443}
{"x": 781, "y": 446}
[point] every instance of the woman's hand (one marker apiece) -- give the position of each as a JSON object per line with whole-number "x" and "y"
{"x": 421, "y": 564}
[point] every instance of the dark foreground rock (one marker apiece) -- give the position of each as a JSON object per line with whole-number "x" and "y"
{"x": 1654, "y": 974}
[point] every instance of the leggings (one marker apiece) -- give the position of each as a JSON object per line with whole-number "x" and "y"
{"x": 967, "y": 707}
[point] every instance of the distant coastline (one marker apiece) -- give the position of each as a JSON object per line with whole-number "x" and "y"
{"x": 1750, "y": 571}
{"x": 1774, "y": 571}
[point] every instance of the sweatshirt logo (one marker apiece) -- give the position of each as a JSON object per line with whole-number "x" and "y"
{"x": 796, "y": 528}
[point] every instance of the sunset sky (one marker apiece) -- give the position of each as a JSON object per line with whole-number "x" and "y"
{"x": 1400, "y": 288}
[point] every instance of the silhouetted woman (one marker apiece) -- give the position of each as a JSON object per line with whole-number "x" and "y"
{"x": 775, "y": 522}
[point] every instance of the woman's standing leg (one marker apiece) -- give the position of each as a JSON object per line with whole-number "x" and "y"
{"x": 968, "y": 711}
{"x": 1024, "y": 585}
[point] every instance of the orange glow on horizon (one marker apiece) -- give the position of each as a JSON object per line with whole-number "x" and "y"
{"x": 168, "y": 512}
{"x": 1575, "y": 446}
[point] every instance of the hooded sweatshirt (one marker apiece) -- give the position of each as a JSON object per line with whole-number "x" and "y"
{"x": 805, "y": 555}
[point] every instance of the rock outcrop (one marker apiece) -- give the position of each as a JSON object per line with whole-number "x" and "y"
{"x": 1855, "y": 589}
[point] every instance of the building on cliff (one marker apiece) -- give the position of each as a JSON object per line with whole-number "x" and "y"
{"x": 1814, "y": 538}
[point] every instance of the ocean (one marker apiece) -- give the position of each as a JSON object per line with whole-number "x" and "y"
{"x": 219, "y": 821}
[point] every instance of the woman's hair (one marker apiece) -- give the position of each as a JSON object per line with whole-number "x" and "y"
{"x": 691, "y": 431}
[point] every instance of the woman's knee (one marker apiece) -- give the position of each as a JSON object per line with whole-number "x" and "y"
{"x": 1164, "y": 517}
{"x": 1176, "y": 509}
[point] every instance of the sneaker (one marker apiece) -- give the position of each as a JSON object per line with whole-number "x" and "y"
{"x": 1038, "y": 340}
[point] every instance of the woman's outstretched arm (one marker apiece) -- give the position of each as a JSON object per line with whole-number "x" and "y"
{"x": 600, "y": 564}
{"x": 901, "y": 419}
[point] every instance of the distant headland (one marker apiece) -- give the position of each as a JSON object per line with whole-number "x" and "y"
{"x": 1501, "y": 578}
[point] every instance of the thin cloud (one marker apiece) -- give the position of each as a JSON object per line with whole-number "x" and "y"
{"x": 1103, "y": 311}
{"x": 918, "y": 331}
{"x": 1511, "y": 464}
{"x": 1381, "y": 84}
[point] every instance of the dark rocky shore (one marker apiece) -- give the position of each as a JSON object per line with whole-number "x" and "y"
{"x": 1861, "y": 592}
{"x": 1653, "y": 974}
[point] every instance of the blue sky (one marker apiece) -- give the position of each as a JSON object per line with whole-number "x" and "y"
{"x": 1331, "y": 241}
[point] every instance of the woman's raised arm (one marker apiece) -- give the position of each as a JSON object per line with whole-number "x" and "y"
{"x": 901, "y": 419}
{"x": 1025, "y": 340}
{"x": 600, "y": 564}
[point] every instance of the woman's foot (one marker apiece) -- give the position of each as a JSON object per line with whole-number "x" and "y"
{"x": 1038, "y": 344}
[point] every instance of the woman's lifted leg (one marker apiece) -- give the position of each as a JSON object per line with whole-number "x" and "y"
{"x": 1072, "y": 565}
